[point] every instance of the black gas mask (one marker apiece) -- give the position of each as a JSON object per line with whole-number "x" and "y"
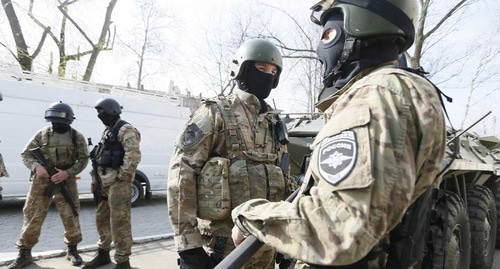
{"x": 60, "y": 127}
{"x": 256, "y": 82}
{"x": 329, "y": 53}
{"x": 107, "y": 119}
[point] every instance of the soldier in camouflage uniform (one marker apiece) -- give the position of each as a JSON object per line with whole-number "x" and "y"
{"x": 380, "y": 148}
{"x": 67, "y": 150}
{"x": 3, "y": 170}
{"x": 3, "y": 173}
{"x": 228, "y": 153}
{"x": 117, "y": 156}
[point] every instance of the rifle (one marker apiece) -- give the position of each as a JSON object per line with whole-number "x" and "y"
{"x": 96, "y": 190}
{"x": 241, "y": 254}
{"x": 49, "y": 190}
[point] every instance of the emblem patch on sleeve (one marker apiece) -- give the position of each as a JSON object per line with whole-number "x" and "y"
{"x": 192, "y": 135}
{"x": 337, "y": 156}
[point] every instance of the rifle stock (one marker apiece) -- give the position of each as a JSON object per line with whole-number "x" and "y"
{"x": 49, "y": 190}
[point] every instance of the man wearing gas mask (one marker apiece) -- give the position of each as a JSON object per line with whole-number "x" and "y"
{"x": 380, "y": 148}
{"x": 232, "y": 149}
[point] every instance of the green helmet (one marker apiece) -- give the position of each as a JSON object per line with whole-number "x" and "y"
{"x": 59, "y": 112}
{"x": 257, "y": 50}
{"x": 373, "y": 18}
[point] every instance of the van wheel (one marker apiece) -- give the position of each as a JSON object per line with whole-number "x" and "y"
{"x": 137, "y": 192}
{"x": 456, "y": 249}
{"x": 483, "y": 226}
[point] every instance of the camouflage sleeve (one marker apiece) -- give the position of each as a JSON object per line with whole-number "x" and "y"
{"x": 28, "y": 159}
{"x": 82, "y": 156}
{"x": 130, "y": 138}
{"x": 193, "y": 148}
{"x": 400, "y": 138}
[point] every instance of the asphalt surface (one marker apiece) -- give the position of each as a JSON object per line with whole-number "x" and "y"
{"x": 153, "y": 247}
{"x": 149, "y": 219}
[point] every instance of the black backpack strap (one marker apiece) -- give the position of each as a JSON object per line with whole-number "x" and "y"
{"x": 421, "y": 72}
{"x": 117, "y": 127}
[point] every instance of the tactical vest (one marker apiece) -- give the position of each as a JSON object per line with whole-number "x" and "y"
{"x": 62, "y": 154}
{"x": 243, "y": 174}
{"x": 111, "y": 153}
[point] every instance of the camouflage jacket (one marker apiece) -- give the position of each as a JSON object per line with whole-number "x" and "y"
{"x": 67, "y": 151}
{"x": 380, "y": 148}
{"x": 205, "y": 137}
{"x": 130, "y": 139}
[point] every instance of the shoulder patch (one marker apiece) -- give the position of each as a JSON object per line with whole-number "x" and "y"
{"x": 191, "y": 135}
{"x": 337, "y": 156}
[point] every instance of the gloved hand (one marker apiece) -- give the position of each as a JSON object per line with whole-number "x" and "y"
{"x": 195, "y": 258}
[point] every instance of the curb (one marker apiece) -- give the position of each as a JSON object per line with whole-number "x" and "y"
{"x": 61, "y": 252}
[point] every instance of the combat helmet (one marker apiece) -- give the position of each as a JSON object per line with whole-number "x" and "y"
{"x": 257, "y": 50}
{"x": 59, "y": 112}
{"x": 364, "y": 19}
{"x": 109, "y": 105}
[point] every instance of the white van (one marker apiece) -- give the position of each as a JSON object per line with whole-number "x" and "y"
{"x": 158, "y": 116}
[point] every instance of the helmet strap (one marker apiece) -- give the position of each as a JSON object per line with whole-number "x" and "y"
{"x": 351, "y": 51}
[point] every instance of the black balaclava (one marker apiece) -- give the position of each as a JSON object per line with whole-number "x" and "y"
{"x": 60, "y": 127}
{"x": 256, "y": 82}
{"x": 376, "y": 52}
{"x": 329, "y": 53}
{"x": 107, "y": 119}
{"x": 369, "y": 53}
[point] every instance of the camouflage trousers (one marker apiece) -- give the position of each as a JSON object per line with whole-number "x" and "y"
{"x": 36, "y": 208}
{"x": 113, "y": 220}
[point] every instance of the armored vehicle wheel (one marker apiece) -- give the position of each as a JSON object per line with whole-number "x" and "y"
{"x": 456, "y": 241}
{"x": 483, "y": 226}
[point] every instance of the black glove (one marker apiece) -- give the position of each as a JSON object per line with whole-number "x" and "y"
{"x": 195, "y": 258}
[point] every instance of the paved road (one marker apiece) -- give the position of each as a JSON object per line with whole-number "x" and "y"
{"x": 148, "y": 219}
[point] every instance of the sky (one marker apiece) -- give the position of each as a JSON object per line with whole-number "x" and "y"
{"x": 192, "y": 27}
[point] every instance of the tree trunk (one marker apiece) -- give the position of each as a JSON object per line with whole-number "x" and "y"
{"x": 23, "y": 57}
{"x": 100, "y": 44}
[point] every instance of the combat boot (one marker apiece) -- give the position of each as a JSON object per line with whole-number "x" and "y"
{"x": 23, "y": 258}
{"x": 101, "y": 258}
{"x": 73, "y": 256}
{"x": 125, "y": 265}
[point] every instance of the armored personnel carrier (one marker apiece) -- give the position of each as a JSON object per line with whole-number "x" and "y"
{"x": 463, "y": 222}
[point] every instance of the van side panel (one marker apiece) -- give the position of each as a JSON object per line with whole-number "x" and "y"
{"x": 158, "y": 119}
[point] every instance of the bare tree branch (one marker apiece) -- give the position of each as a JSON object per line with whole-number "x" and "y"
{"x": 102, "y": 41}
{"x": 63, "y": 8}
{"x": 23, "y": 57}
